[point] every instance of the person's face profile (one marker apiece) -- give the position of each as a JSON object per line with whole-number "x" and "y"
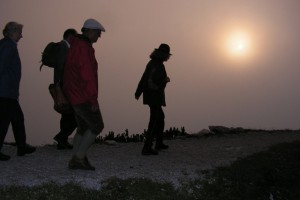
{"x": 16, "y": 36}
{"x": 94, "y": 35}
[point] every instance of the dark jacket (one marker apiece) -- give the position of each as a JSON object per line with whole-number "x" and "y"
{"x": 62, "y": 56}
{"x": 81, "y": 72}
{"x": 153, "y": 84}
{"x": 10, "y": 69}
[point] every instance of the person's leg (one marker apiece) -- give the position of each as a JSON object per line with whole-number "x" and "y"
{"x": 18, "y": 125}
{"x": 90, "y": 124}
{"x": 160, "y": 130}
{"x": 19, "y": 132}
{"x": 149, "y": 134}
{"x": 4, "y": 124}
{"x": 76, "y": 142}
{"x": 152, "y": 126}
{"x": 87, "y": 140}
{"x": 81, "y": 129}
{"x": 94, "y": 125}
{"x": 67, "y": 126}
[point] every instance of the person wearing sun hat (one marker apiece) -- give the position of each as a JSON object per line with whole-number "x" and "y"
{"x": 152, "y": 85}
{"x": 81, "y": 89}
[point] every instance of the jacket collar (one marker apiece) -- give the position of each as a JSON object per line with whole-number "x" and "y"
{"x": 83, "y": 37}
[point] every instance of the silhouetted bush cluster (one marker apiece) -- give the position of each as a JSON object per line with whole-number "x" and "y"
{"x": 121, "y": 137}
{"x": 173, "y": 133}
{"x": 125, "y": 137}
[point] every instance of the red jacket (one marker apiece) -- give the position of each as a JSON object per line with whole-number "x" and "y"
{"x": 81, "y": 72}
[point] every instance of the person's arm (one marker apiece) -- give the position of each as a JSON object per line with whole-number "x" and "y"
{"x": 88, "y": 73}
{"x": 6, "y": 53}
{"x": 61, "y": 60}
{"x": 141, "y": 86}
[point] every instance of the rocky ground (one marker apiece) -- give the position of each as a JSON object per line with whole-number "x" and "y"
{"x": 183, "y": 161}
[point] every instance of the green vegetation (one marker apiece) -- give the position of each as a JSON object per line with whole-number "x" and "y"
{"x": 270, "y": 175}
{"x": 170, "y": 133}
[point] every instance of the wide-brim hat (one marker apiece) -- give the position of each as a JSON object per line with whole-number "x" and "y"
{"x": 93, "y": 24}
{"x": 164, "y": 48}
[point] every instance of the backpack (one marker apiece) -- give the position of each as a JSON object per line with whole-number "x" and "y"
{"x": 50, "y": 55}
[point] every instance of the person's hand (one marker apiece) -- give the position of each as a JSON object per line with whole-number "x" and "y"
{"x": 168, "y": 79}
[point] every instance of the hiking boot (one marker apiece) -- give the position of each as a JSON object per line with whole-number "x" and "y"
{"x": 65, "y": 145}
{"x": 4, "y": 157}
{"x": 27, "y": 149}
{"x": 77, "y": 163}
{"x": 62, "y": 144}
{"x": 161, "y": 146}
{"x": 149, "y": 151}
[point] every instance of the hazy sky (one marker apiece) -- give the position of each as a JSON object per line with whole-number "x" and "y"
{"x": 235, "y": 62}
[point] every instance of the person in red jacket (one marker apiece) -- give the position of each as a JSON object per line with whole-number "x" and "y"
{"x": 81, "y": 89}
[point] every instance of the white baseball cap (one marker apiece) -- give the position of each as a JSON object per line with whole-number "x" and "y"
{"x": 93, "y": 24}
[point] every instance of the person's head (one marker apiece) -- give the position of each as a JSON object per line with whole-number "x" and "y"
{"x": 69, "y": 33}
{"x": 92, "y": 29}
{"x": 162, "y": 53}
{"x": 13, "y": 30}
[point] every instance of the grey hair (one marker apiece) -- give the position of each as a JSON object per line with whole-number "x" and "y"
{"x": 12, "y": 27}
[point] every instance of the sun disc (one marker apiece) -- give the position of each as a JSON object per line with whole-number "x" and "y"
{"x": 238, "y": 44}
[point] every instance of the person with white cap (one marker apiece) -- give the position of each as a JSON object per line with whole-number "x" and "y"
{"x": 81, "y": 89}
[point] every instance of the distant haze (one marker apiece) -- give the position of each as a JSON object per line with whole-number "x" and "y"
{"x": 256, "y": 86}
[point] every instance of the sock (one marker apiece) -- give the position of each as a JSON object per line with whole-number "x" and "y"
{"x": 76, "y": 143}
{"x": 87, "y": 140}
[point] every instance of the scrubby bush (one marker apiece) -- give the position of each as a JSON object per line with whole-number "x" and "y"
{"x": 125, "y": 137}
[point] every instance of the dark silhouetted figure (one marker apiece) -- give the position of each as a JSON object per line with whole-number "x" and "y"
{"x": 10, "y": 76}
{"x": 67, "y": 122}
{"x": 152, "y": 85}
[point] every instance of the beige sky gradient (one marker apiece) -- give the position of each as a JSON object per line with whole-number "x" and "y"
{"x": 207, "y": 86}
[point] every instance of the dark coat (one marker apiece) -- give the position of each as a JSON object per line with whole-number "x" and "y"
{"x": 62, "y": 56}
{"x": 10, "y": 69}
{"x": 153, "y": 84}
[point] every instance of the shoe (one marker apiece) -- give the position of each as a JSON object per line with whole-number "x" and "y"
{"x": 77, "y": 163}
{"x": 27, "y": 149}
{"x": 65, "y": 145}
{"x": 61, "y": 144}
{"x": 4, "y": 157}
{"x": 161, "y": 146}
{"x": 150, "y": 151}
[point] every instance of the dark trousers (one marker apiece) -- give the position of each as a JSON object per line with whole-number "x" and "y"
{"x": 11, "y": 112}
{"x": 67, "y": 126}
{"x": 156, "y": 126}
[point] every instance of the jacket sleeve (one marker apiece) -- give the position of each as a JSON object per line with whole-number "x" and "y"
{"x": 5, "y": 56}
{"x": 59, "y": 69}
{"x": 140, "y": 88}
{"x": 88, "y": 73}
{"x": 143, "y": 83}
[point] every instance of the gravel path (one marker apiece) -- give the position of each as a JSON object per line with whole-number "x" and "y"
{"x": 180, "y": 162}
